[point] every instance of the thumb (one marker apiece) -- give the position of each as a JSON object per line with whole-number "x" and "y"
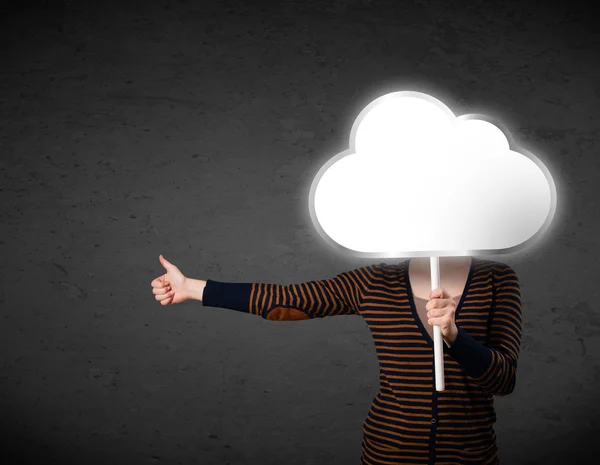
{"x": 437, "y": 293}
{"x": 163, "y": 261}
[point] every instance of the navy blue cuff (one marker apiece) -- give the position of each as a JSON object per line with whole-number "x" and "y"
{"x": 234, "y": 296}
{"x": 472, "y": 356}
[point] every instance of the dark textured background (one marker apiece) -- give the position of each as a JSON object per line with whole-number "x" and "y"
{"x": 194, "y": 130}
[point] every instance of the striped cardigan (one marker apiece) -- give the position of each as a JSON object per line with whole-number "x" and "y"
{"x": 409, "y": 422}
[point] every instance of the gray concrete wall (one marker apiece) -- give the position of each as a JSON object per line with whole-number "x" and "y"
{"x": 194, "y": 129}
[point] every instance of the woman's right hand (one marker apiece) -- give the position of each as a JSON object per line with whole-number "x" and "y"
{"x": 170, "y": 288}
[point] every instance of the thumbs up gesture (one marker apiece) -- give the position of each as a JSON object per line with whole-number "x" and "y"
{"x": 170, "y": 288}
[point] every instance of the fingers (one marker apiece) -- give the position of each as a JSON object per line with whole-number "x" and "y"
{"x": 161, "y": 290}
{"x": 439, "y": 316}
{"x": 167, "y": 295}
{"x": 439, "y": 321}
{"x": 439, "y": 303}
{"x": 440, "y": 308}
{"x": 164, "y": 295}
{"x": 439, "y": 293}
{"x": 437, "y": 312}
{"x": 160, "y": 281}
{"x": 434, "y": 303}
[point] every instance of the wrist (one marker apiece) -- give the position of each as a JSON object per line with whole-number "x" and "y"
{"x": 452, "y": 334}
{"x": 194, "y": 288}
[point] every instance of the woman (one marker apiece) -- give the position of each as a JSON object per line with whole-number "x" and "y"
{"x": 478, "y": 311}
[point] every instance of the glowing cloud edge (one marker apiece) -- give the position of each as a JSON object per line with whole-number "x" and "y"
{"x": 536, "y": 239}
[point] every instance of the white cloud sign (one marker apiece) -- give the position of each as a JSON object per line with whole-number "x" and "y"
{"x": 419, "y": 181}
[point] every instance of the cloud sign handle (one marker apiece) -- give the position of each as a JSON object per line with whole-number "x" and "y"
{"x": 438, "y": 351}
{"x": 376, "y": 198}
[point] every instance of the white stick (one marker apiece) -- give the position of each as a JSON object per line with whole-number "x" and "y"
{"x": 438, "y": 350}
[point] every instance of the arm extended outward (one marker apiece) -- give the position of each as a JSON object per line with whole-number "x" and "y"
{"x": 340, "y": 295}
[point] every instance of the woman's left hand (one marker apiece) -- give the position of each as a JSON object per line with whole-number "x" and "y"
{"x": 440, "y": 312}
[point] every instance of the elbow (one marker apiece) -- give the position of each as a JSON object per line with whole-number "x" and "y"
{"x": 285, "y": 314}
{"x": 507, "y": 387}
{"x": 505, "y": 392}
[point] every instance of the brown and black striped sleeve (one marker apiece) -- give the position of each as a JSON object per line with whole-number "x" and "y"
{"x": 339, "y": 295}
{"x": 494, "y": 365}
